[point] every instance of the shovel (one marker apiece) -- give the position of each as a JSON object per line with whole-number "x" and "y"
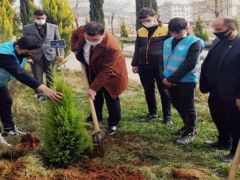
{"x": 98, "y": 136}
{"x": 235, "y": 164}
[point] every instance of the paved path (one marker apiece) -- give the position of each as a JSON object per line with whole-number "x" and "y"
{"x": 74, "y": 64}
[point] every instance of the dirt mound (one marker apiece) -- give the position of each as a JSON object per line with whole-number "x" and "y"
{"x": 28, "y": 142}
{"x": 190, "y": 174}
{"x": 91, "y": 171}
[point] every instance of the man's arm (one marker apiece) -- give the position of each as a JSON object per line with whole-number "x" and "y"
{"x": 136, "y": 53}
{"x": 188, "y": 65}
{"x": 11, "y": 66}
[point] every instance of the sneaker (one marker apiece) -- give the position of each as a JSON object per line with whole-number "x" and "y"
{"x": 40, "y": 97}
{"x": 4, "y": 142}
{"x": 149, "y": 117}
{"x": 185, "y": 139}
{"x": 180, "y": 132}
{"x": 15, "y": 131}
{"x": 111, "y": 130}
{"x": 167, "y": 122}
{"x": 217, "y": 145}
{"x": 228, "y": 158}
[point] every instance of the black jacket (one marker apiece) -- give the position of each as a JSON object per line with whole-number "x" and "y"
{"x": 148, "y": 50}
{"x": 228, "y": 72}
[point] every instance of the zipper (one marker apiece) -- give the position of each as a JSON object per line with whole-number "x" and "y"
{"x": 148, "y": 44}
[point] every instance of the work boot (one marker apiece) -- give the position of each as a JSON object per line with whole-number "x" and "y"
{"x": 218, "y": 145}
{"x": 228, "y": 158}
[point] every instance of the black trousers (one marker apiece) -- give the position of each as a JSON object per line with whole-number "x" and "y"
{"x": 6, "y": 108}
{"x": 113, "y": 107}
{"x": 43, "y": 66}
{"x": 148, "y": 77}
{"x": 226, "y": 117}
{"x": 182, "y": 97}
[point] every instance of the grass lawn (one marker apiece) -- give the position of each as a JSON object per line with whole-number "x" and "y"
{"x": 148, "y": 148}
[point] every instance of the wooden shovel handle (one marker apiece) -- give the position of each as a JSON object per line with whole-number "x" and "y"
{"x": 92, "y": 107}
{"x": 94, "y": 115}
{"x": 235, "y": 164}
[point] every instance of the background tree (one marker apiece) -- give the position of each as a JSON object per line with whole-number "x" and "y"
{"x": 96, "y": 11}
{"x": 60, "y": 13}
{"x": 144, "y": 3}
{"x": 216, "y": 7}
{"x": 199, "y": 30}
{"x": 27, "y": 8}
{"x": 123, "y": 30}
{"x": 118, "y": 9}
{"x": 6, "y": 20}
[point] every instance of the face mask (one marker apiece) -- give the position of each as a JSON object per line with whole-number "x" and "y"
{"x": 40, "y": 21}
{"x": 94, "y": 43}
{"x": 149, "y": 24}
{"x": 222, "y": 35}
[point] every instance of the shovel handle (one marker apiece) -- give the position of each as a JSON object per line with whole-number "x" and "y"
{"x": 92, "y": 107}
{"x": 94, "y": 115}
{"x": 235, "y": 164}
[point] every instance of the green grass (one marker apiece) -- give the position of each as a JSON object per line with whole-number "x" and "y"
{"x": 150, "y": 144}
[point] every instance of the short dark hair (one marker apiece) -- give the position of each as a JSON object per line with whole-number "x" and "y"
{"x": 39, "y": 12}
{"x": 230, "y": 22}
{"x": 29, "y": 42}
{"x": 145, "y": 12}
{"x": 94, "y": 28}
{"x": 177, "y": 24}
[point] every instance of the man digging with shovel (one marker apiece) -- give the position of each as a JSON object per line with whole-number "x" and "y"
{"x": 106, "y": 70}
{"x": 12, "y": 59}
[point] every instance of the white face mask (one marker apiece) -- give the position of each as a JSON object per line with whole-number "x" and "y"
{"x": 94, "y": 43}
{"x": 149, "y": 24}
{"x": 40, "y": 21}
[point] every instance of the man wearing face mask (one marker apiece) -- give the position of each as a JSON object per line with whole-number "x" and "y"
{"x": 147, "y": 62}
{"x": 106, "y": 70}
{"x": 12, "y": 59}
{"x": 220, "y": 77}
{"x": 43, "y": 59}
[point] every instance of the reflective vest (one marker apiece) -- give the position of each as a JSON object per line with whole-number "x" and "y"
{"x": 8, "y": 49}
{"x": 172, "y": 59}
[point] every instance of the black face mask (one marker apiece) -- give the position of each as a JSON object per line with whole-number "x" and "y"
{"x": 223, "y": 35}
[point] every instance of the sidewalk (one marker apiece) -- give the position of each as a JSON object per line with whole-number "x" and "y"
{"x": 74, "y": 64}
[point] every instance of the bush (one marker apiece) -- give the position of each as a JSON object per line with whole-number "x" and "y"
{"x": 123, "y": 30}
{"x": 65, "y": 136}
{"x": 199, "y": 30}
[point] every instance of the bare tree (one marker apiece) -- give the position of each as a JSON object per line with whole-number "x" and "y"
{"x": 76, "y": 13}
{"x": 216, "y": 7}
{"x": 115, "y": 9}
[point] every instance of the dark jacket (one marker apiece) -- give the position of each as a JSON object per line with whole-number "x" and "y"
{"x": 149, "y": 51}
{"x": 107, "y": 63}
{"x": 228, "y": 72}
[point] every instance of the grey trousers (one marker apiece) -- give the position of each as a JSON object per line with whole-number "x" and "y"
{"x": 43, "y": 66}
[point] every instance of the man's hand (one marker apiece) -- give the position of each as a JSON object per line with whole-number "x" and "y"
{"x": 238, "y": 103}
{"x": 91, "y": 93}
{"x": 50, "y": 93}
{"x": 60, "y": 59}
{"x": 30, "y": 61}
{"x": 135, "y": 69}
{"x": 167, "y": 83}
